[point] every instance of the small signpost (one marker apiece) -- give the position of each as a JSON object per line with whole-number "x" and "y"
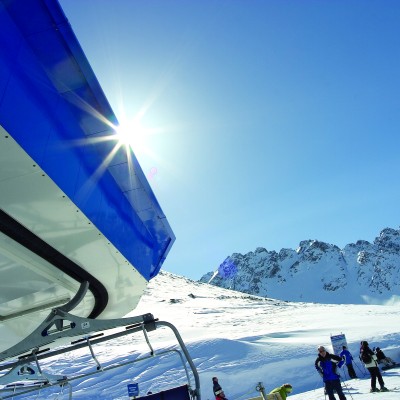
{"x": 133, "y": 390}
{"x": 338, "y": 341}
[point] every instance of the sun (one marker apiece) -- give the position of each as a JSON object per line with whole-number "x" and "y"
{"x": 138, "y": 140}
{"x": 131, "y": 133}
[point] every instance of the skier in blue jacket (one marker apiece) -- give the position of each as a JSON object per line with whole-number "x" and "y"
{"x": 326, "y": 365}
{"x": 348, "y": 359}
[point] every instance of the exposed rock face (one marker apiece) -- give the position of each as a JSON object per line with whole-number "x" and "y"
{"x": 361, "y": 272}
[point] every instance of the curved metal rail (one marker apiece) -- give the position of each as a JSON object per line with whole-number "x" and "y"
{"x": 60, "y": 325}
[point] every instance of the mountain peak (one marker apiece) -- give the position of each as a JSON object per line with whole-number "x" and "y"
{"x": 316, "y": 271}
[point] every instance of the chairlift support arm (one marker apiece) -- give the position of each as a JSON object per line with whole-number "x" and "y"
{"x": 61, "y": 324}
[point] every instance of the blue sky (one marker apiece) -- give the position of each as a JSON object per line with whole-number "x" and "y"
{"x": 267, "y": 122}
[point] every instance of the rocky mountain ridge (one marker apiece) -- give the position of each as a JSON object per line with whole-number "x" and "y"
{"x": 361, "y": 272}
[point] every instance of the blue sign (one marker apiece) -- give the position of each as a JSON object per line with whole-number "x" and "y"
{"x": 338, "y": 341}
{"x": 133, "y": 389}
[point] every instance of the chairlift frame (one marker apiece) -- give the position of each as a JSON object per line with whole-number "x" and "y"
{"x": 61, "y": 324}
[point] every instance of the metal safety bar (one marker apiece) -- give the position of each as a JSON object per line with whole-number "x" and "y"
{"x": 60, "y": 324}
{"x": 51, "y": 380}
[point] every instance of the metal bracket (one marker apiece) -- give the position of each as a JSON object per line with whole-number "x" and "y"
{"x": 28, "y": 372}
{"x": 54, "y": 327}
{"x": 60, "y": 324}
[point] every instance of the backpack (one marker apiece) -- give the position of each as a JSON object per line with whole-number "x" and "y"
{"x": 366, "y": 358}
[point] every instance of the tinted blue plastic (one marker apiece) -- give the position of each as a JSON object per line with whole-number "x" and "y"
{"x": 48, "y": 93}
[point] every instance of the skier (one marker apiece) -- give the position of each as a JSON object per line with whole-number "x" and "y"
{"x": 368, "y": 357}
{"x": 326, "y": 365}
{"x": 217, "y": 389}
{"x": 283, "y": 390}
{"x": 380, "y": 355}
{"x": 348, "y": 358}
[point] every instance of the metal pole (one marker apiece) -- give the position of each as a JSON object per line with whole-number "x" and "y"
{"x": 187, "y": 355}
{"x": 260, "y": 388}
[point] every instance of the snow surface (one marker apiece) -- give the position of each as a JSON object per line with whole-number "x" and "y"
{"x": 242, "y": 339}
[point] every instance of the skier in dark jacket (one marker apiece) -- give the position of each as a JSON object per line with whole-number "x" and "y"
{"x": 217, "y": 389}
{"x": 326, "y": 365}
{"x": 383, "y": 359}
{"x": 368, "y": 357}
{"x": 348, "y": 359}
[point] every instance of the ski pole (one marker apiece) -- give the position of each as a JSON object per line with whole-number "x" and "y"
{"x": 317, "y": 384}
{"x": 364, "y": 373}
{"x": 345, "y": 375}
{"x": 348, "y": 391}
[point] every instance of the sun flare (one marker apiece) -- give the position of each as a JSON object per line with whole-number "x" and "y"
{"x": 132, "y": 134}
{"x": 139, "y": 140}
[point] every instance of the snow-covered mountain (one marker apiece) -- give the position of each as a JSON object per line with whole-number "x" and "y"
{"x": 361, "y": 272}
{"x": 240, "y": 338}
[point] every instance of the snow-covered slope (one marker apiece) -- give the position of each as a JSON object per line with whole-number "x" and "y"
{"x": 361, "y": 272}
{"x": 242, "y": 339}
